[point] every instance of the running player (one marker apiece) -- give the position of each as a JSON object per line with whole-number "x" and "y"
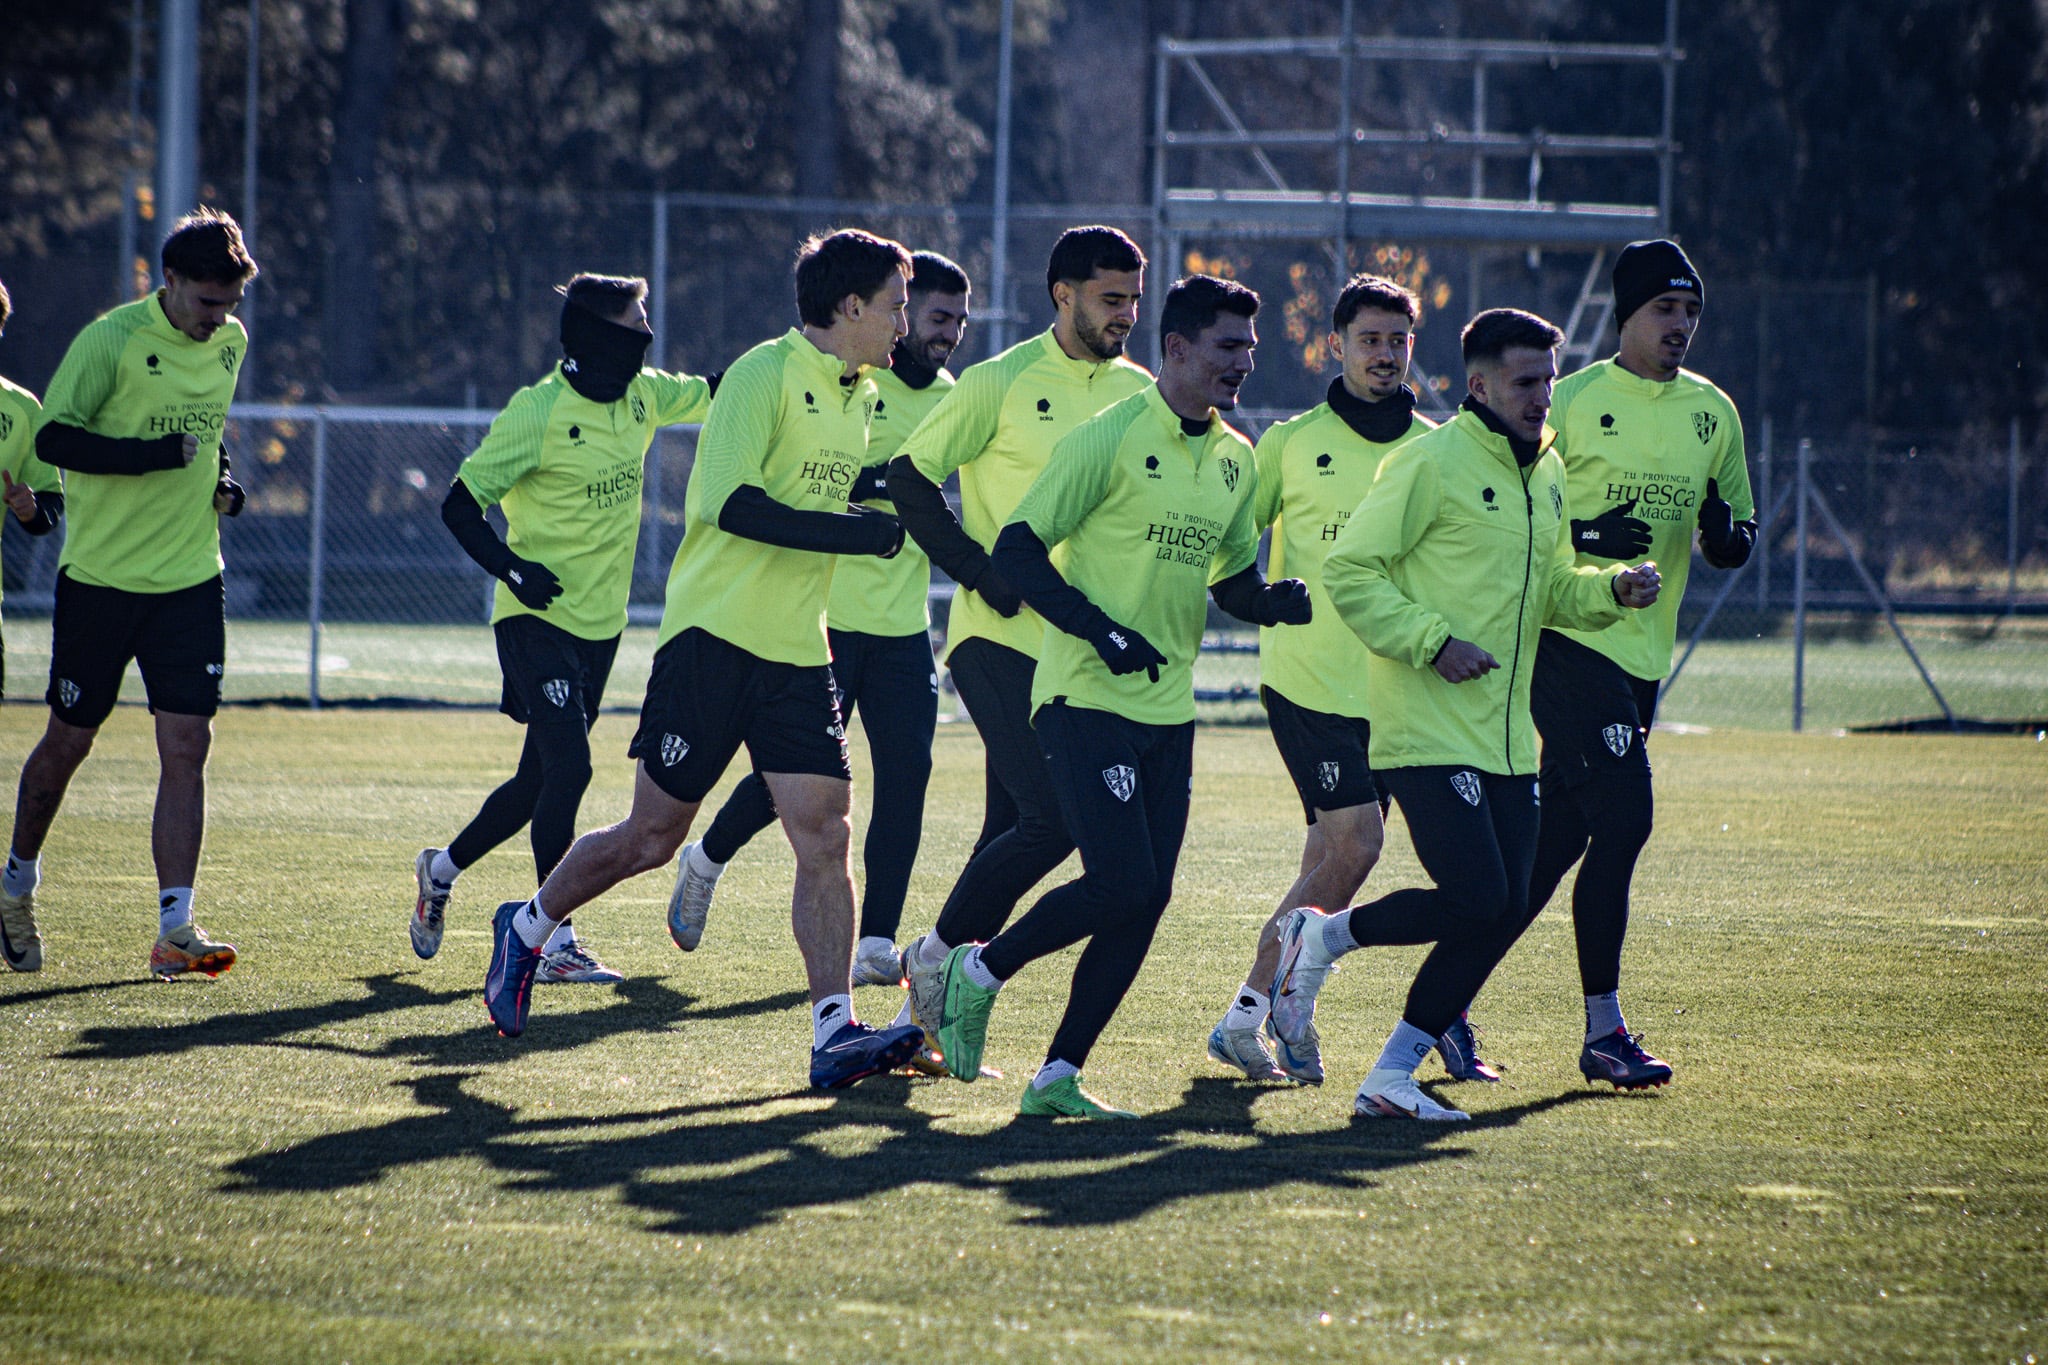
{"x": 1457, "y": 557}
{"x": 879, "y": 622}
{"x": 1658, "y": 450}
{"x": 1151, "y": 504}
{"x": 134, "y": 417}
{"x": 998, "y": 428}
{"x": 743, "y": 657}
{"x": 28, "y": 486}
{"x": 1313, "y": 470}
{"x": 564, "y": 460}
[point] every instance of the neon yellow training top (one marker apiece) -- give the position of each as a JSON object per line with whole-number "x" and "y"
{"x": 888, "y": 596}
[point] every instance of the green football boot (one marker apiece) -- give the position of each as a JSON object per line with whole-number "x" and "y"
{"x": 963, "y": 1017}
{"x": 1065, "y": 1099}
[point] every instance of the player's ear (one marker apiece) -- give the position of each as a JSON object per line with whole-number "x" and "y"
{"x": 1337, "y": 346}
{"x": 1063, "y": 293}
{"x": 851, "y": 307}
{"x": 1475, "y": 384}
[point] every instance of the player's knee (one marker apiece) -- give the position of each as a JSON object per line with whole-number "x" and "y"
{"x": 184, "y": 746}
{"x": 1622, "y": 811}
{"x": 1479, "y": 899}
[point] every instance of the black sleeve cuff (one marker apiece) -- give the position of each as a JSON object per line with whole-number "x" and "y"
{"x": 921, "y": 506}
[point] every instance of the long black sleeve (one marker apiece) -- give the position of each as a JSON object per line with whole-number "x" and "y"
{"x": 49, "y": 511}
{"x": 1735, "y": 553}
{"x": 1023, "y": 561}
{"x": 750, "y": 512}
{"x": 64, "y": 446}
{"x": 1239, "y": 595}
{"x": 921, "y": 505}
{"x": 464, "y": 518}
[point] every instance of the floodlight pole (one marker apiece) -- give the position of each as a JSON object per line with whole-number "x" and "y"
{"x": 124, "y": 276}
{"x": 251, "y": 121}
{"x": 177, "y": 125}
{"x": 999, "y": 232}
{"x": 1799, "y": 493}
{"x": 650, "y": 497}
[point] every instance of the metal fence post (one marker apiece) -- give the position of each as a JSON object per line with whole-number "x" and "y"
{"x": 316, "y": 557}
{"x": 1799, "y": 495}
{"x": 2012, "y": 517}
{"x": 1763, "y": 539}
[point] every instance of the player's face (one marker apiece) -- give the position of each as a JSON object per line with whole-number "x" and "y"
{"x": 1517, "y": 388}
{"x": 199, "y": 307}
{"x": 1219, "y": 359}
{"x": 635, "y": 316}
{"x": 1374, "y": 349}
{"x": 937, "y": 323}
{"x": 878, "y": 320}
{"x": 1104, "y": 309}
{"x": 1657, "y": 335}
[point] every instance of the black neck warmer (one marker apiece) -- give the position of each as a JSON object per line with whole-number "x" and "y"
{"x": 1525, "y": 451}
{"x": 1191, "y": 428}
{"x": 913, "y": 372}
{"x": 601, "y": 357}
{"x": 1380, "y": 422}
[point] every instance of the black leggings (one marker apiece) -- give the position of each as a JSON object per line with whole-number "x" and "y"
{"x": 547, "y": 788}
{"x": 1475, "y": 834}
{"x": 1023, "y": 835}
{"x": 1123, "y": 787}
{"x": 891, "y": 681}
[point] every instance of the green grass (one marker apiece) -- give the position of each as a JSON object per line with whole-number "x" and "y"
{"x": 329, "y": 1155}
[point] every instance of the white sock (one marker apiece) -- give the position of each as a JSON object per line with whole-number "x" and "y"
{"x": 443, "y": 871}
{"x": 1249, "y": 1010}
{"x": 702, "y": 865}
{"x": 532, "y": 924}
{"x": 564, "y": 936}
{"x": 931, "y": 948}
{"x": 22, "y": 875}
{"x": 977, "y": 973}
{"x": 1603, "y": 1015}
{"x": 1333, "y": 942}
{"x": 174, "y": 907}
{"x": 828, "y": 1016}
{"x": 1406, "y": 1046}
{"x": 1053, "y": 1071}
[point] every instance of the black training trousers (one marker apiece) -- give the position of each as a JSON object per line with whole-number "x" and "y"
{"x": 1123, "y": 787}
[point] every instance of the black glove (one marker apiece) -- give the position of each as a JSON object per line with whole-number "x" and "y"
{"x": 1614, "y": 534}
{"x": 1284, "y": 603}
{"x": 1126, "y": 651}
{"x": 870, "y": 484}
{"x": 228, "y": 496}
{"x": 997, "y": 591}
{"x": 712, "y": 380}
{"x": 885, "y": 531}
{"x": 1724, "y": 544}
{"x": 535, "y": 585}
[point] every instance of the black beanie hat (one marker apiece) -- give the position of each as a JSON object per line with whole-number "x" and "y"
{"x": 1646, "y": 269}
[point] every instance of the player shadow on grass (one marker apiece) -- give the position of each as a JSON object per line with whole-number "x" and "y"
{"x": 84, "y": 988}
{"x": 824, "y": 1150}
{"x": 639, "y": 1005}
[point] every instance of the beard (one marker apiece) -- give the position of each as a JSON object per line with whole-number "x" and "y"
{"x": 1099, "y": 344}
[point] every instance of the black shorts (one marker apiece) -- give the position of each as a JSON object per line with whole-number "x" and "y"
{"x": 1324, "y": 754}
{"x": 179, "y": 641}
{"x": 1592, "y": 714}
{"x": 551, "y": 675}
{"x": 707, "y": 696}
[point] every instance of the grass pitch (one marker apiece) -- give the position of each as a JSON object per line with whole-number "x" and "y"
{"x": 329, "y": 1155}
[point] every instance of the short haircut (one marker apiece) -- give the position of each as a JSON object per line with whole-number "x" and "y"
{"x": 849, "y": 261}
{"x": 206, "y": 245}
{"x": 6, "y": 306}
{"x": 608, "y": 296}
{"x": 1082, "y": 251}
{"x": 1495, "y": 332}
{"x": 1373, "y": 291}
{"x": 1195, "y": 302}
{"x": 931, "y": 273}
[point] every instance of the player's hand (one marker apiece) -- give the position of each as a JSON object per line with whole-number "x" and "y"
{"x": 228, "y": 497}
{"x": 1462, "y": 661}
{"x": 1614, "y": 534}
{"x": 870, "y": 484}
{"x": 188, "y": 451}
{"x": 1638, "y": 587}
{"x": 1284, "y": 603}
{"x": 1126, "y": 651}
{"x": 20, "y": 498}
{"x": 535, "y": 585}
{"x": 885, "y": 533}
{"x": 1717, "y": 523}
{"x": 995, "y": 590}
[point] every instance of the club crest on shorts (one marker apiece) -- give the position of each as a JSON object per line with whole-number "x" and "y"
{"x": 1617, "y": 737}
{"x": 556, "y": 690}
{"x": 1466, "y": 785}
{"x": 1122, "y": 780}
{"x": 67, "y": 692}
{"x": 1326, "y": 773}
{"x": 673, "y": 750}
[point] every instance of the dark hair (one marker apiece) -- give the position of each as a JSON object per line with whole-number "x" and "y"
{"x": 206, "y": 245}
{"x": 1373, "y": 291}
{"x": 931, "y": 273}
{"x": 849, "y": 261}
{"x": 1194, "y": 302}
{"x": 1495, "y": 332}
{"x": 6, "y": 305}
{"x": 1082, "y": 251}
{"x": 608, "y": 296}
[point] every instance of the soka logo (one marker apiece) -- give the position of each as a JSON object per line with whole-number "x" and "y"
{"x": 1617, "y": 737}
{"x": 1704, "y": 425}
{"x": 1466, "y": 785}
{"x": 1122, "y": 780}
{"x": 1326, "y": 773}
{"x": 673, "y": 749}
{"x": 1229, "y": 468}
{"x": 556, "y": 690}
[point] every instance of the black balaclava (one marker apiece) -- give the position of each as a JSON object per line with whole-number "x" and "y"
{"x": 600, "y": 357}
